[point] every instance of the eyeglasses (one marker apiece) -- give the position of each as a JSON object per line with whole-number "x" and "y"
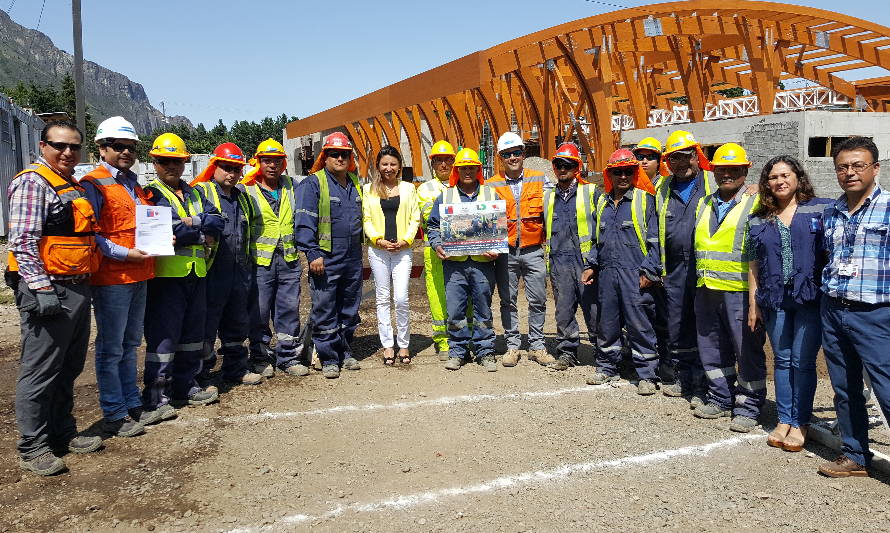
{"x": 561, "y": 164}
{"x": 169, "y": 161}
{"x": 679, "y": 156}
{"x": 857, "y": 167}
{"x": 338, "y": 154}
{"x": 647, "y": 157}
{"x": 120, "y": 147}
{"x": 228, "y": 168}
{"x": 519, "y": 152}
{"x": 628, "y": 171}
{"x": 64, "y": 146}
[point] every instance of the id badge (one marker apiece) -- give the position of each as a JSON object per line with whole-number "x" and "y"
{"x": 815, "y": 225}
{"x": 848, "y": 270}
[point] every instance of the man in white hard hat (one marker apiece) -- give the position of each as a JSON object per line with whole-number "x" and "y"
{"x": 523, "y": 190}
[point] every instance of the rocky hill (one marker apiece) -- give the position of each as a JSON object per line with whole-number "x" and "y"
{"x": 28, "y": 55}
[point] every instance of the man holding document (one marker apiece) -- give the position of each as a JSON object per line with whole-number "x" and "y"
{"x": 468, "y": 278}
{"x": 119, "y": 286}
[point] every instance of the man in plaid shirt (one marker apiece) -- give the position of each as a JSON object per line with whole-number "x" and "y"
{"x": 856, "y": 306}
{"x": 55, "y": 307}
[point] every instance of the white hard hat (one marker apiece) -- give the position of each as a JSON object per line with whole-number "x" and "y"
{"x": 116, "y": 128}
{"x": 509, "y": 140}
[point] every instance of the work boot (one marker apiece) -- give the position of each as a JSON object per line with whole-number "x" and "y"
{"x": 351, "y": 363}
{"x": 204, "y": 396}
{"x": 509, "y": 359}
{"x": 443, "y": 355}
{"x": 251, "y": 378}
{"x": 84, "y": 444}
{"x": 263, "y": 368}
{"x": 164, "y": 412}
{"x": 711, "y": 411}
{"x": 646, "y": 387}
{"x": 124, "y": 427}
{"x": 843, "y": 466}
{"x": 541, "y": 357}
{"x": 600, "y": 378}
{"x": 331, "y": 371}
{"x": 489, "y": 363}
{"x": 742, "y": 424}
{"x": 297, "y": 369}
{"x": 672, "y": 390}
{"x": 696, "y": 401}
{"x": 564, "y": 362}
{"x": 454, "y": 363}
{"x": 45, "y": 464}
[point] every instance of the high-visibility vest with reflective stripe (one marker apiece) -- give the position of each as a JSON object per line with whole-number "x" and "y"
{"x": 663, "y": 198}
{"x": 451, "y": 196}
{"x": 184, "y": 258}
{"x": 426, "y": 197}
{"x": 638, "y": 205}
{"x": 273, "y": 228}
{"x": 212, "y": 194}
{"x": 325, "y": 236}
{"x": 584, "y": 199}
{"x": 525, "y": 215}
{"x": 719, "y": 259}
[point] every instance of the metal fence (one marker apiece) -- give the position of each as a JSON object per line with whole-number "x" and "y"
{"x": 19, "y": 138}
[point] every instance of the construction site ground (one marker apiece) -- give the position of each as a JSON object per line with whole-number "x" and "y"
{"x": 418, "y": 448}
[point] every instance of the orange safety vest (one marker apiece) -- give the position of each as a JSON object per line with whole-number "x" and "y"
{"x": 117, "y": 223}
{"x": 67, "y": 246}
{"x": 529, "y": 211}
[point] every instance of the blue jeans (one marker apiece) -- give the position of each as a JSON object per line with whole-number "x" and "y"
{"x": 120, "y": 313}
{"x": 795, "y": 332}
{"x": 856, "y": 337}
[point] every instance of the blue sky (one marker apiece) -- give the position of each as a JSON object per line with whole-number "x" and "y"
{"x": 246, "y": 60}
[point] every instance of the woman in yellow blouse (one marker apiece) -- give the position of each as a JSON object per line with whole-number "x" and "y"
{"x": 391, "y": 217}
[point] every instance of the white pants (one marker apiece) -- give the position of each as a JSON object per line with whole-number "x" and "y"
{"x": 392, "y": 271}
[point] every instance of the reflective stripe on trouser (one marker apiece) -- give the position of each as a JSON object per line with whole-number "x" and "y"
{"x": 675, "y": 307}
{"x": 435, "y": 292}
{"x": 568, "y": 294}
{"x": 336, "y": 296}
{"x": 724, "y": 341}
{"x": 174, "y": 338}
{"x": 528, "y": 264}
{"x": 277, "y": 300}
{"x": 465, "y": 282}
{"x": 228, "y": 288}
{"x": 623, "y": 305}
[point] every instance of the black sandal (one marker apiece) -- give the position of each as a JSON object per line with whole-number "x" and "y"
{"x": 389, "y": 361}
{"x": 406, "y": 359}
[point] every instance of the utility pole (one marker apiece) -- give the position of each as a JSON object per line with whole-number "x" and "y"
{"x": 79, "y": 102}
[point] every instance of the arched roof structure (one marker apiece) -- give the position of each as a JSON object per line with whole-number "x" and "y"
{"x": 573, "y": 78}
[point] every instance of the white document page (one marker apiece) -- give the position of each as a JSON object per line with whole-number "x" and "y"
{"x": 154, "y": 229}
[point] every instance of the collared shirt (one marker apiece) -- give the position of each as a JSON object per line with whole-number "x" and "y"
{"x": 230, "y": 251}
{"x": 721, "y": 208}
{"x": 31, "y": 202}
{"x": 564, "y": 242}
{"x": 515, "y": 185}
{"x": 434, "y": 220}
{"x": 129, "y": 180}
{"x": 858, "y": 247}
{"x": 346, "y": 220}
{"x": 618, "y": 245}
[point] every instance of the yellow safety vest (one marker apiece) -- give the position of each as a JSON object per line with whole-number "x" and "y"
{"x": 719, "y": 258}
{"x": 185, "y": 258}
{"x": 663, "y": 198}
{"x": 637, "y": 212}
{"x": 484, "y": 194}
{"x": 325, "y": 236}
{"x": 273, "y": 228}
{"x": 584, "y": 199}
{"x": 426, "y": 197}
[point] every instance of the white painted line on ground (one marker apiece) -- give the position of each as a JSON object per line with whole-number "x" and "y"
{"x": 400, "y": 405}
{"x": 522, "y": 479}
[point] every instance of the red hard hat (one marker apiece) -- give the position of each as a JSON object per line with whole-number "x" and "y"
{"x": 621, "y": 158}
{"x": 568, "y": 151}
{"x": 229, "y": 152}
{"x": 337, "y": 141}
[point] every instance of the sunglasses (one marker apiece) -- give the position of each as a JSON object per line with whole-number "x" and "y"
{"x": 519, "y": 152}
{"x": 64, "y": 146}
{"x": 679, "y": 156}
{"x": 120, "y": 147}
{"x": 623, "y": 171}
{"x": 564, "y": 165}
{"x": 647, "y": 157}
{"x": 228, "y": 168}
{"x": 169, "y": 161}
{"x": 338, "y": 154}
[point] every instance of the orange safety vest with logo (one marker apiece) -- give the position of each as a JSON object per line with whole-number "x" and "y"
{"x": 67, "y": 245}
{"x": 526, "y": 217}
{"x": 117, "y": 223}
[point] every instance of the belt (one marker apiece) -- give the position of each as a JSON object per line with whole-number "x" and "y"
{"x": 854, "y": 304}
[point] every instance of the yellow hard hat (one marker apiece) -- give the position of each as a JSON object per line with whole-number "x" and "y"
{"x": 679, "y": 140}
{"x": 441, "y": 148}
{"x": 730, "y": 154}
{"x": 169, "y": 145}
{"x": 270, "y": 148}
{"x": 649, "y": 143}
{"x": 466, "y": 157}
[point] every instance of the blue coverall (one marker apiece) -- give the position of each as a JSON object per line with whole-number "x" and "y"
{"x": 174, "y": 313}
{"x": 622, "y": 303}
{"x": 336, "y": 294}
{"x": 229, "y": 281}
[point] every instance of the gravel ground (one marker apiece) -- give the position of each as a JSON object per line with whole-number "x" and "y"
{"x": 421, "y": 449}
